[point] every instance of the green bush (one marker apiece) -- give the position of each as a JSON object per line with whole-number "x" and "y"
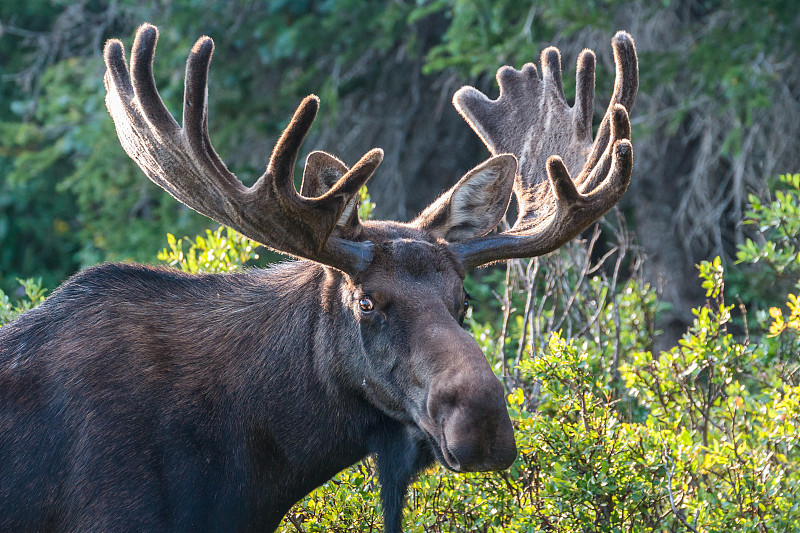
{"x": 769, "y": 258}
{"x": 32, "y": 295}
{"x": 223, "y": 250}
{"x": 778, "y": 226}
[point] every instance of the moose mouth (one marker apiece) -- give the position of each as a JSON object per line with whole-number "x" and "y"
{"x": 447, "y": 458}
{"x": 471, "y": 454}
{"x": 438, "y": 445}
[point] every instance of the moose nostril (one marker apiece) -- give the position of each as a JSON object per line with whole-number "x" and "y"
{"x": 475, "y": 447}
{"x": 474, "y": 430}
{"x": 466, "y": 454}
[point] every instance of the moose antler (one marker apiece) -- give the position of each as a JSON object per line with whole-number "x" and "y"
{"x": 182, "y": 161}
{"x": 531, "y": 119}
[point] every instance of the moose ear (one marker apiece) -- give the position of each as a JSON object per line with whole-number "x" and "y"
{"x": 321, "y": 172}
{"x": 474, "y": 205}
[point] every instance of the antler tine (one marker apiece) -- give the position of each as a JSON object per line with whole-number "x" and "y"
{"x": 144, "y": 85}
{"x": 182, "y": 160}
{"x": 565, "y": 181}
{"x": 626, "y": 85}
{"x": 195, "y": 103}
{"x": 584, "y": 94}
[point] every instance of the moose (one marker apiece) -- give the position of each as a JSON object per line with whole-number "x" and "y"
{"x": 138, "y": 398}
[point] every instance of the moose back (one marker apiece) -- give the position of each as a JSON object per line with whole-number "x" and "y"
{"x": 143, "y": 399}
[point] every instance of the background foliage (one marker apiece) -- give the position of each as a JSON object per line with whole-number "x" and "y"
{"x": 620, "y": 428}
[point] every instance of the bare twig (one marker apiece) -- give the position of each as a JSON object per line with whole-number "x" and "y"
{"x": 670, "y": 468}
{"x": 622, "y": 246}
{"x": 297, "y": 525}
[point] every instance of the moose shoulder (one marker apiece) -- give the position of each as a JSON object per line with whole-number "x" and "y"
{"x": 139, "y": 398}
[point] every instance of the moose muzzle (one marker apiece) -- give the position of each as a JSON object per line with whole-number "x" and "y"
{"x": 466, "y": 412}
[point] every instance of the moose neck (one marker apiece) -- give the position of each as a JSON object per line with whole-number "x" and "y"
{"x": 300, "y": 424}
{"x": 320, "y": 420}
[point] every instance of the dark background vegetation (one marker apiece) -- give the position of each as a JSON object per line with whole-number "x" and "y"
{"x": 718, "y": 112}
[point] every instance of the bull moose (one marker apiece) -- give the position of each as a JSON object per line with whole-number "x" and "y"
{"x": 138, "y": 398}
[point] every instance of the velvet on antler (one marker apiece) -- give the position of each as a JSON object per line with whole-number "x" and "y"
{"x": 182, "y": 161}
{"x": 553, "y": 142}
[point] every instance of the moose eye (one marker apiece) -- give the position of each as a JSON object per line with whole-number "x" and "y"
{"x": 366, "y": 304}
